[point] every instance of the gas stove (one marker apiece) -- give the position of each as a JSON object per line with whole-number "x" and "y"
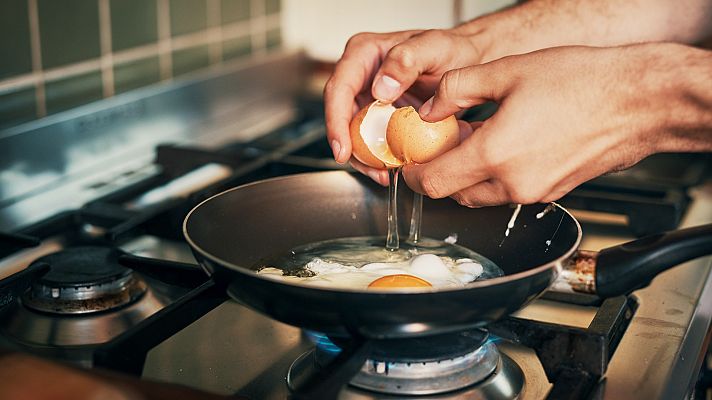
{"x": 95, "y": 271}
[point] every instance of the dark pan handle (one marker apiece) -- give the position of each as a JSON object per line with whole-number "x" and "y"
{"x": 630, "y": 266}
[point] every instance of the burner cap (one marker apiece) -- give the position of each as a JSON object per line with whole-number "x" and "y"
{"x": 83, "y": 280}
{"x": 82, "y": 266}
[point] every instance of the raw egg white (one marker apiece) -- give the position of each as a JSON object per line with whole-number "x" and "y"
{"x": 383, "y": 136}
{"x": 420, "y": 271}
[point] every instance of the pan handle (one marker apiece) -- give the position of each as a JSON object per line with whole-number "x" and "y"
{"x": 630, "y": 266}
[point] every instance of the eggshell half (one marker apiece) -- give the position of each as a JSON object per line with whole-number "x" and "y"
{"x": 413, "y": 140}
{"x": 368, "y": 136}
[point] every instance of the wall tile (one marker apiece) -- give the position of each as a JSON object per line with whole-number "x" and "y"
{"x": 69, "y": 31}
{"x": 238, "y": 47}
{"x": 188, "y": 16}
{"x": 234, "y": 10}
{"x": 136, "y": 74}
{"x": 191, "y": 59}
{"x": 70, "y": 34}
{"x": 17, "y": 107}
{"x": 133, "y": 23}
{"x": 71, "y": 92}
{"x": 14, "y": 38}
{"x": 272, "y": 6}
{"x": 274, "y": 38}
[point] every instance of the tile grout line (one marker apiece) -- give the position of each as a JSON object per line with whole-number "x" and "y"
{"x": 135, "y": 53}
{"x": 214, "y": 29}
{"x": 107, "y": 62}
{"x": 72, "y": 70}
{"x": 36, "y": 54}
{"x": 165, "y": 55}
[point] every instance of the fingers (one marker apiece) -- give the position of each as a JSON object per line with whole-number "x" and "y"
{"x": 380, "y": 176}
{"x": 408, "y": 60}
{"x": 351, "y": 76}
{"x": 460, "y": 89}
{"x": 487, "y": 193}
{"x": 467, "y": 128}
{"x": 339, "y": 98}
{"x": 451, "y": 172}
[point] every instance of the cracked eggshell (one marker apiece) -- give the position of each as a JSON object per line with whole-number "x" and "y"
{"x": 368, "y": 136}
{"x": 413, "y": 140}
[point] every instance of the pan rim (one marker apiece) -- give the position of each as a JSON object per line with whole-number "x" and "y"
{"x": 374, "y": 292}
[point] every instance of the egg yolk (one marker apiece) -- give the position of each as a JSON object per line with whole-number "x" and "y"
{"x": 399, "y": 281}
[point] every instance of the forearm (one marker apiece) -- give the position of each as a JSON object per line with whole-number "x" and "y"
{"x": 685, "y": 75}
{"x": 539, "y": 24}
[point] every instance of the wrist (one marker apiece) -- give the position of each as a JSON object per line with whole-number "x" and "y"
{"x": 515, "y": 30}
{"x": 682, "y": 82}
{"x": 491, "y": 35}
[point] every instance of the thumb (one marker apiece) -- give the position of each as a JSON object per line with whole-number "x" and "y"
{"x": 460, "y": 89}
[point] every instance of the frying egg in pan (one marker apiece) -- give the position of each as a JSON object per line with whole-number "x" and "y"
{"x": 420, "y": 271}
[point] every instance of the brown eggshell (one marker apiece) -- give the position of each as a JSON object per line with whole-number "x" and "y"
{"x": 360, "y": 149}
{"x": 416, "y": 141}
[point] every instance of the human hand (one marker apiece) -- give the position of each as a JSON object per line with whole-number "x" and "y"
{"x": 566, "y": 115}
{"x": 401, "y": 67}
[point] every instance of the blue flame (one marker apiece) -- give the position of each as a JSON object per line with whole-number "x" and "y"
{"x": 493, "y": 339}
{"x": 322, "y": 342}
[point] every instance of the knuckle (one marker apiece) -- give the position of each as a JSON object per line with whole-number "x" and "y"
{"x": 431, "y": 184}
{"x": 433, "y": 34}
{"x": 464, "y": 200}
{"x": 522, "y": 194}
{"x": 449, "y": 85}
{"x": 357, "y": 39}
{"x": 403, "y": 55}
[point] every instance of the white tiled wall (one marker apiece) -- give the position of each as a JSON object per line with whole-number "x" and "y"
{"x": 322, "y": 27}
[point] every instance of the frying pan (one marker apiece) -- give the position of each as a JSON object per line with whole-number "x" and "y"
{"x": 232, "y": 231}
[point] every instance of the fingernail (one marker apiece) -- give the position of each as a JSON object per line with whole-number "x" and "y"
{"x": 336, "y": 148}
{"x": 386, "y": 88}
{"x": 426, "y": 107}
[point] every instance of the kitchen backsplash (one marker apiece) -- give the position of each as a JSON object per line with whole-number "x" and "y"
{"x": 59, "y": 54}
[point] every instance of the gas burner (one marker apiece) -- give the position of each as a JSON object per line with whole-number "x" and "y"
{"x": 85, "y": 299}
{"x": 83, "y": 280}
{"x": 459, "y": 365}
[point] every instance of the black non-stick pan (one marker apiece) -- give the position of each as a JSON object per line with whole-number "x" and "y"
{"x": 231, "y": 232}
